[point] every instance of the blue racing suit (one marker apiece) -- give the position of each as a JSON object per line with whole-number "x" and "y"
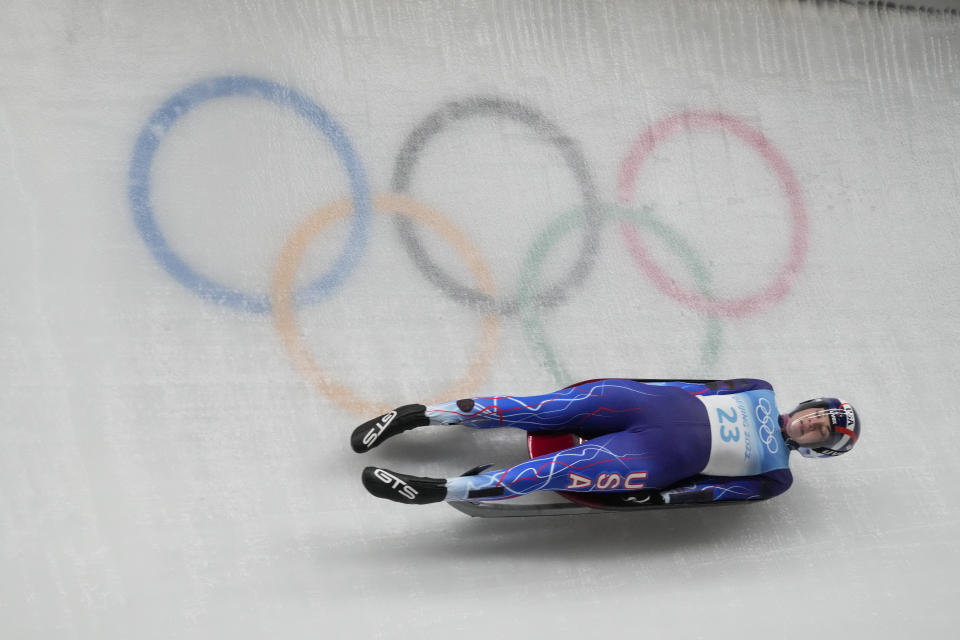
{"x": 688, "y": 441}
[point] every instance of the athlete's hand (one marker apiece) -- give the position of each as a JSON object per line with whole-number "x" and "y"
{"x": 643, "y": 498}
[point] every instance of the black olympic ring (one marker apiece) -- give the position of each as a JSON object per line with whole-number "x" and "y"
{"x": 493, "y": 106}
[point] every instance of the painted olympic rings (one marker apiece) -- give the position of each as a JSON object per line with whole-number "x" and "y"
{"x": 693, "y": 120}
{"x": 530, "y": 299}
{"x": 493, "y": 106}
{"x": 284, "y": 318}
{"x": 179, "y": 105}
{"x": 555, "y": 232}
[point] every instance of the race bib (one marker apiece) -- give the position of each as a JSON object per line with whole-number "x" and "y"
{"x": 732, "y": 436}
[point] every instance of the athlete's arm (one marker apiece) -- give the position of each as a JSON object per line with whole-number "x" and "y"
{"x": 711, "y": 387}
{"x": 722, "y": 488}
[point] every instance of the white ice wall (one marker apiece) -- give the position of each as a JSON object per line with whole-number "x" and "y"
{"x": 171, "y": 468}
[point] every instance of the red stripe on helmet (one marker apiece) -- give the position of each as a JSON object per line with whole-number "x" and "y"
{"x": 847, "y": 432}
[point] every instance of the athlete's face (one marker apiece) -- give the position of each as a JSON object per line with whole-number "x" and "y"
{"x": 809, "y": 427}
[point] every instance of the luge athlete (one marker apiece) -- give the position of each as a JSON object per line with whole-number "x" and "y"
{"x": 653, "y": 442}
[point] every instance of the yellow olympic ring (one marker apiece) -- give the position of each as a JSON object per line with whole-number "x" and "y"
{"x": 285, "y": 319}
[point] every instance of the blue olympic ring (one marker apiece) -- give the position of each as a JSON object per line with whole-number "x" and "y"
{"x": 180, "y": 104}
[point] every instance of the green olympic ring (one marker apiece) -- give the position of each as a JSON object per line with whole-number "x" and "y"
{"x": 572, "y": 220}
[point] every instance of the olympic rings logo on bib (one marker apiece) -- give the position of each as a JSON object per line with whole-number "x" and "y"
{"x": 587, "y": 219}
{"x": 769, "y": 425}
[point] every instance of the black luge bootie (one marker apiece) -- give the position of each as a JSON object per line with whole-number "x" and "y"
{"x": 400, "y": 487}
{"x": 372, "y": 432}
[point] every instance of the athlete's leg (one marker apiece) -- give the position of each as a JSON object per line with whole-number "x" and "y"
{"x": 590, "y": 408}
{"x": 641, "y": 458}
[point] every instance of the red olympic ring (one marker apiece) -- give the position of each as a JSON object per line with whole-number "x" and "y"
{"x": 641, "y": 149}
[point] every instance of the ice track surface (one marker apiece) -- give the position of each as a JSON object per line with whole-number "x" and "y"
{"x": 206, "y": 285}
